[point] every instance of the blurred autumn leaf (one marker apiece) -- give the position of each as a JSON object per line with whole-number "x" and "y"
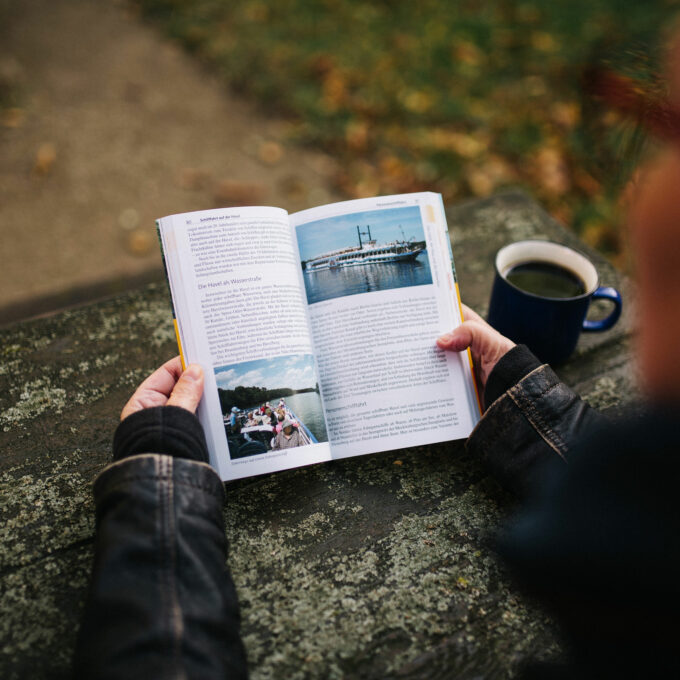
{"x": 45, "y": 158}
{"x": 462, "y": 98}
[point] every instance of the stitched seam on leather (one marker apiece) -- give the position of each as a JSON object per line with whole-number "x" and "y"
{"x": 160, "y": 478}
{"x": 505, "y": 394}
{"x": 127, "y": 459}
{"x": 496, "y": 403}
{"x": 530, "y": 412}
{"x": 102, "y": 487}
{"x": 162, "y": 539}
{"x": 174, "y": 610}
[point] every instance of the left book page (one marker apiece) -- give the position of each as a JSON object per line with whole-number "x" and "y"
{"x": 238, "y": 298}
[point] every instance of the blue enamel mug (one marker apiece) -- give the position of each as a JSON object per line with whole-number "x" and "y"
{"x": 549, "y": 326}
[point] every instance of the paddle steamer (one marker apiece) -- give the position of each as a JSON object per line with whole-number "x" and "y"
{"x": 367, "y": 252}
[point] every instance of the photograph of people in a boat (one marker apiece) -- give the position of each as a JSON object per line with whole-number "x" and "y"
{"x": 270, "y": 404}
{"x": 363, "y": 252}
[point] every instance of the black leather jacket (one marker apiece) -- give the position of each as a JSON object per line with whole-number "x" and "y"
{"x": 597, "y": 536}
{"x": 161, "y": 604}
{"x": 532, "y": 420}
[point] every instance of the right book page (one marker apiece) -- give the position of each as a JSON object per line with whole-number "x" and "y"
{"x": 380, "y": 286}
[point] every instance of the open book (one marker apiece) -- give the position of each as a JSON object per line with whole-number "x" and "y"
{"x": 317, "y": 330}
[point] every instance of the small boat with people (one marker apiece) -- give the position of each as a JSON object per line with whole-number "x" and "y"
{"x": 255, "y": 430}
{"x": 367, "y": 252}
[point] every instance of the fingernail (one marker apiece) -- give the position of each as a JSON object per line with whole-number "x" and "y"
{"x": 445, "y": 339}
{"x": 194, "y": 372}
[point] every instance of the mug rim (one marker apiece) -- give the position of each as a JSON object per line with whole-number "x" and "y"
{"x": 555, "y": 246}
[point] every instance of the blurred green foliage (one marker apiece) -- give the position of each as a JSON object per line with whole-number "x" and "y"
{"x": 459, "y": 97}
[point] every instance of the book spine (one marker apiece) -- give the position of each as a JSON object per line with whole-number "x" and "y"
{"x": 172, "y": 302}
{"x": 460, "y": 306}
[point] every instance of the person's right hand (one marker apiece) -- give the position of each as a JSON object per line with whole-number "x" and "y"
{"x": 486, "y": 344}
{"x": 168, "y": 386}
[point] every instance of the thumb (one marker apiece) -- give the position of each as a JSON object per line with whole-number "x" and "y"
{"x": 189, "y": 389}
{"x": 460, "y": 338}
{"x": 486, "y": 344}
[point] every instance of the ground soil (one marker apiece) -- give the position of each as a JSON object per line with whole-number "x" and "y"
{"x": 112, "y": 125}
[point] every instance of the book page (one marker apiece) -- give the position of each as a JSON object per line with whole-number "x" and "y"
{"x": 234, "y": 278}
{"x": 380, "y": 287}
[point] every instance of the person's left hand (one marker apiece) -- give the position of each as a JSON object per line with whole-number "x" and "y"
{"x": 168, "y": 386}
{"x": 486, "y": 344}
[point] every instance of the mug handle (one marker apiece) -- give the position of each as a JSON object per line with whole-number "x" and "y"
{"x": 605, "y": 293}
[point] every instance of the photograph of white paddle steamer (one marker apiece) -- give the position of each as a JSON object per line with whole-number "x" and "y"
{"x": 363, "y": 252}
{"x": 367, "y": 252}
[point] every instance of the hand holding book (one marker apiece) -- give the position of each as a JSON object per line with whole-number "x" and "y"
{"x": 168, "y": 385}
{"x": 486, "y": 344}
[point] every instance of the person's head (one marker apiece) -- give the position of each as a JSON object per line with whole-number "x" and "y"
{"x": 654, "y": 223}
{"x": 287, "y": 427}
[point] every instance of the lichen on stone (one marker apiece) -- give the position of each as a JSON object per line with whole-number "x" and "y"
{"x": 36, "y": 397}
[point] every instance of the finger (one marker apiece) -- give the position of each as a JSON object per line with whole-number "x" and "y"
{"x": 483, "y": 340}
{"x": 471, "y": 315}
{"x": 156, "y": 389}
{"x": 458, "y": 339}
{"x": 163, "y": 379}
{"x": 189, "y": 389}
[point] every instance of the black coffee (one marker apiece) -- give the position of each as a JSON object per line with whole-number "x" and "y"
{"x": 546, "y": 279}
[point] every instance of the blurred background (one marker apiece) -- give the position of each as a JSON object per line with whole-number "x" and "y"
{"x": 114, "y": 113}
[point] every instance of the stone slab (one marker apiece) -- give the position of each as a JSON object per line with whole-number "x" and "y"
{"x": 374, "y": 567}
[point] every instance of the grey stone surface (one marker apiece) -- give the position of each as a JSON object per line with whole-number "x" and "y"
{"x": 374, "y": 567}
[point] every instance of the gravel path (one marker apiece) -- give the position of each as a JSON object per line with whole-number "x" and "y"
{"x": 117, "y": 126}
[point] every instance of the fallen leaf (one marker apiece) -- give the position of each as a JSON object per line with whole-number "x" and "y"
{"x": 334, "y": 90}
{"x": 467, "y": 53}
{"x": 417, "y": 101}
{"x": 270, "y": 152}
{"x": 139, "y": 243}
{"x": 551, "y": 171}
{"x": 45, "y": 158}
{"x": 356, "y": 135}
{"x": 461, "y": 143}
{"x": 544, "y": 42}
{"x": 566, "y": 114}
{"x": 13, "y": 118}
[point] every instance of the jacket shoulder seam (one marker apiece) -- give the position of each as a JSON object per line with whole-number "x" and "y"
{"x": 528, "y": 408}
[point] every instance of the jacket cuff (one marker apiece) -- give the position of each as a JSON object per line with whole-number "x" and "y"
{"x": 170, "y": 430}
{"x": 139, "y": 471}
{"x": 521, "y": 430}
{"x": 510, "y": 369}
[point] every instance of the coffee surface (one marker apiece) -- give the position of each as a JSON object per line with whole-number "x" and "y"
{"x": 545, "y": 279}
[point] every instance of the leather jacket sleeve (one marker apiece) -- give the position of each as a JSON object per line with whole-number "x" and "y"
{"x": 533, "y": 419}
{"x": 161, "y": 602}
